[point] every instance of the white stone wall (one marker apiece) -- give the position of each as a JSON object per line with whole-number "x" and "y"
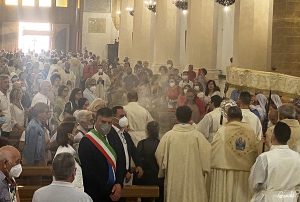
{"x": 97, "y": 42}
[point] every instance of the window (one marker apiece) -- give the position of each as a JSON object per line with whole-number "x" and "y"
{"x": 62, "y": 3}
{"x": 11, "y": 2}
{"x": 28, "y": 2}
{"x": 45, "y": 3}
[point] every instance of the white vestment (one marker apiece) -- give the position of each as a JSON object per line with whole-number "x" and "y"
{"x": 67, "y": 78}
{"x": 234, "y": 150}
{"x": 210, "y": 124}
{"x": 183, "y": 156}
{"x": 103, "y": 84}
{"x": 274, "y": 171}
{"x": 138, "y": 118}
{"x": 254, "y": 122}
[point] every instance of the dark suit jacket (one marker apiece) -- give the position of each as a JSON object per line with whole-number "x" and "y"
{"x": 115, "y": 141}
{"x": 95, "y": 171}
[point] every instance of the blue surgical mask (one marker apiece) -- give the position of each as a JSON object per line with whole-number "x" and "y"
{"x": 2, "y": 120}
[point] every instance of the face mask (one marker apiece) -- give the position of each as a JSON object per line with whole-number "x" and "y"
{"x": 172, "y": 84}
{"x": 105, "y": 128}
{"x": 184, "y": 77}
{"x": 15, "y": 171}
{"x": 100, "y": 71}
{"x": 39, "y": 80}
{"x": 190, "y": 98}
{"x": 2, "y": 120}
{"x": 24, "y": 88}
{"x": 123, "y": 122}
{"x": 169, "y": 66}
{"x": 185, "y": 91}
{"x": 90, "y": 127}
{"x": 201, "y": 95}
{"x": 93, "y": 88}
{"x": 197, "y": 88}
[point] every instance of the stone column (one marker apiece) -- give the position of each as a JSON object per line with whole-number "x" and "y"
{"x": 202, "y": 34}
{"x": 142, "y": 45}
{"x": 167, "y": 33}
{"x": 125, "y": 31}
{"x": 253, "y": 34}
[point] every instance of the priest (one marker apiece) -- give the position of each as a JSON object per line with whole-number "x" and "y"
{"x": 234, "y": 150}
{"x": 183, "y": 156}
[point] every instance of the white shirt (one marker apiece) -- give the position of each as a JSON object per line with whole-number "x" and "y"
{"x": 59, "y": 191}
{"x": 17, "y": 114}
{"x": 275, "y": 170}
{"x": 210, "y": 124}
{"x": 40, "y": 98}
{"x": 254, "y": 122}
{"x": 183, "y": 83}
{"x": 123, "y": 140}
{"x": 138, "y": 116}
{"x": 5, "y": 108}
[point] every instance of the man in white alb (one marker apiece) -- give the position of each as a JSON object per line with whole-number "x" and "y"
{"x": 138, "y": 117}
{"x": 275, "y": 176}
{"x": 248, "y": 116}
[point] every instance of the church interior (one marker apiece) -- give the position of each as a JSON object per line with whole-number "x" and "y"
{"x": 149, "y": 100}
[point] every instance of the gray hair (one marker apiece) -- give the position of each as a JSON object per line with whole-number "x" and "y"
{"x": 287, "y": 111}
{"x": 83, "y": 116}
{"x": 63, "y": 166}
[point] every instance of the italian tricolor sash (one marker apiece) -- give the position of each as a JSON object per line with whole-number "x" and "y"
{"x": 101, "y": 143}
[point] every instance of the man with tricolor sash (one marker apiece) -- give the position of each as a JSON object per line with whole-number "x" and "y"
{"x": 99, "y": 161}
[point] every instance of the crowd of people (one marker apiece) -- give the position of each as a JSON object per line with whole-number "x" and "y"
{"x": 98, "y": 123}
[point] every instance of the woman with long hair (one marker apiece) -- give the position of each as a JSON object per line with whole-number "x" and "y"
{"x": 211, "y": 90}
{"x": 16, "y": 107}
{"x": 75, "y": 95}
{"x": 65, "y": 139}
{"x": 60, "y": 101}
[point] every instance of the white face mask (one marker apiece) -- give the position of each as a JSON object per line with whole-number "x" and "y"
{"x": 24, "y": 88}
{"x": 93, "y": 88}
{"x": 197, "y": 88}
{"x": 184, "y": 77}
{"x": 123, "y": 122}
{"x": 168, "y": 65}
{"x": 15, "y": 171}
{"x": 185, "y": 91}
{"x": 172, "y": 84}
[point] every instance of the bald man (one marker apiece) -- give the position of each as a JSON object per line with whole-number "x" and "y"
{"x": 10, "y": 168}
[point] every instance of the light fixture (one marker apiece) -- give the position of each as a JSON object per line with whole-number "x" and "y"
{"x": 151, "y": 5}
{"x": 181, "y": 4}
{"x": 118, "y": 12}
{"x": 184, "y": 12}
{"x": 225, "y": 2}
{"x": 226, "y": 8}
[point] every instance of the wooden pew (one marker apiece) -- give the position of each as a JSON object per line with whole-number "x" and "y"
{"x": 131, "y": 193}
{"x": 28, "y": 184}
